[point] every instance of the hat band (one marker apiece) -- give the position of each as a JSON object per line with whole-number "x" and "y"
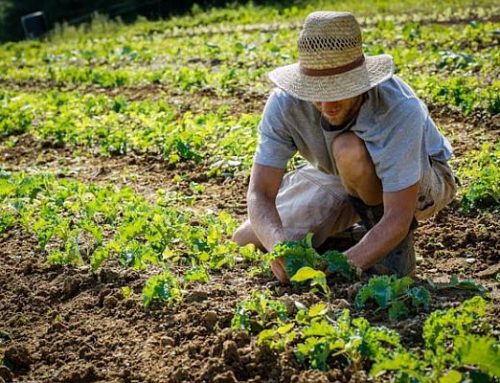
{"x": 332, "y": 71}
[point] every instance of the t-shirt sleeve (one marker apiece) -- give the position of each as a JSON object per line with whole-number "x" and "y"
{"x": 275, "y": 146}
{"x": 398, "y": 150}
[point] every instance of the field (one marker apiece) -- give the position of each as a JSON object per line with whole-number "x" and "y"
{"x": 125, "y": 153}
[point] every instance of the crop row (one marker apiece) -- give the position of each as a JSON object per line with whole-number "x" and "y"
{"x": 457, "y": 341}
{"x": 221, "y": 144}
{"x": 76, "y": 223}
{"x": 320, "y": 336}
{"x": 463, "y": 92}
{"x": 117, "y": 126}
{"x": 244, "y": 18}
{"x": 250, "y": 49}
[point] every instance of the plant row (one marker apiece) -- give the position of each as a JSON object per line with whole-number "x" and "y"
{"x": 321, "y": 336}
{"x": 78, "y": 224}
{"x": 458, "y": 344}
{"x": 116, "y": 126}
{"x": 244, "y": 17}
{"x": 219, "y": 143}
{"x": 249, "y": 49}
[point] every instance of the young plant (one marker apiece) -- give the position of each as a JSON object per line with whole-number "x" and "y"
{"x": 317, "y": 338}
{"x": 454, "y": 350}
{"x": 163, "y": 288}
{"x": 464, "y": 284}
{"x": 317, "y": 278}
{"x": 259, "y": 309}
{"x": 481, "y": 171}
{"x": 300, "y": 254}
{"x": 393, "y": 294}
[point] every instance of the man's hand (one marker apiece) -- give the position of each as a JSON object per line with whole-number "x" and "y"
{"x": 279, "y": 270}
{"x": 399, "y": 210}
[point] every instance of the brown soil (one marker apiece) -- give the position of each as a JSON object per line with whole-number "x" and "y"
{"x": 68, "y": 324}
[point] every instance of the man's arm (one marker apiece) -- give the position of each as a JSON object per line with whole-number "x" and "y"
{"x": 261, "y": 200}
{"x": 399, "y": 210}
{"x": 263, "y": 214}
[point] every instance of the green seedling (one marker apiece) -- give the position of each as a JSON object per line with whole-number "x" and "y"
{"x": 300, "y": 254}
{"x": 454, "y": 352}
{"x": 162, "y": 288}
{"x": 393, "y": 294}
{"x": 260, "y": 309}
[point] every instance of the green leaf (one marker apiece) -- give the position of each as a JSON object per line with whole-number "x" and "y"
{"x": 285, "y": 328}
{"x": 467, "y": 284}
{"x": 482, "y": 352}
{"x": 317, "y": 310}
{"x": 401, "y": 285}
{"x": 397, "y": 309}
{"x": 320, "y": 328}
{"x": 337, "y": 263}
{"x": 451, "y": 377}
{"x": 419, "y": 296}
{"x": 307, "y": 273}
{"x": 296, "y": 254}
{"x": 378, "y": 288}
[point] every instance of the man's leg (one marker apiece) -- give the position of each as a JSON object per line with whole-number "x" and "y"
{"x": 358, "y": 175}
{"x": 308, "y": 201}
{"x": 356, "y": 169}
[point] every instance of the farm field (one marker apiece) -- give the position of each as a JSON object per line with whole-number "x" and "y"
{"x": 125, "y": 153}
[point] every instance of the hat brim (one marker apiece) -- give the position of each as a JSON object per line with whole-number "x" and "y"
{"x": 374, "y": 70}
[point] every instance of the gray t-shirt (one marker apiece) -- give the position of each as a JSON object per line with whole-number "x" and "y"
{"x": 392, "y": 121}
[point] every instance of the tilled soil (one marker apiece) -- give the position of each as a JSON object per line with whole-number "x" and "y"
{"x": 68, "y": 324}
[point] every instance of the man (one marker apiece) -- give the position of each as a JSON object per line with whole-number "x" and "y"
{"x": 374, "y": 153}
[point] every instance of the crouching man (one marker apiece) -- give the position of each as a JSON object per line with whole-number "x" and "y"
{"x": 373, "y": 153}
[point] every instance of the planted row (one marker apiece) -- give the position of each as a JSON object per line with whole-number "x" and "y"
{"x": 249, "y": 49}
{"x": 479, "y": 171}
{"x": 460, "y": 89}
{"x": 458, "y": 344}
{"x": 81, "y": 224}
{"x": 117, "y": 126}
{"x": 234, "y": 19}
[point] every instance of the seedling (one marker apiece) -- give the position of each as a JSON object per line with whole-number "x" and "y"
{"x": 259, "y": 308}
{"x": 393, "y": 294}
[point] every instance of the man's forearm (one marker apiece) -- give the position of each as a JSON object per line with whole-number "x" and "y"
{"x": 265, "y": 220}
{"x": 379, "y": 241}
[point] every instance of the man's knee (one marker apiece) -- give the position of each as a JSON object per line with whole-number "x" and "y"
{"x": 245, "y": 235}
{"x": 239, "y": 235}
{"x": 351, "y": 157}
{"x": 350, "y": 151}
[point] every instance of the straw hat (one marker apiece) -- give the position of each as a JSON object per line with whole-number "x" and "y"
{"x": 331, "y": 63}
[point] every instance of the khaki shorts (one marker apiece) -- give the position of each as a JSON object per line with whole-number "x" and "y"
{"x": 312, "y": 201}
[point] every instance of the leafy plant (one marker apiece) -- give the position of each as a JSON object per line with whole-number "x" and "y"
{"x": 465, "y": 284}
{"x": 451, "y": 345}
{"x": 393, "y": 294}
{"x": 317, "y": 278}
{"x": 163, "y": 288}
{"x": 481, "y": 170}
{"x": 316, "y": 338}
{"x": 260, "y": 309}
{"x": 300, "y": 254}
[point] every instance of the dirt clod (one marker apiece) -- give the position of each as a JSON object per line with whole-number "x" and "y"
{"x": 5, "y": 374}
{"x": 230, "y": 351}
{"x": 226, "y": 377}
{"x": 77, "y": 374}
{"x": 71, "y": 286}
{"x": 18, "y": 356}
{"x": 167, "y": 341}
{"x": 210, "y": 319}
{"x": 110, "y": 302}
{"x": 196, "y": 296}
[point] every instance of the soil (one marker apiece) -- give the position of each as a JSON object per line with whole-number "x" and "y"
{"x": 71, "y": 324}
